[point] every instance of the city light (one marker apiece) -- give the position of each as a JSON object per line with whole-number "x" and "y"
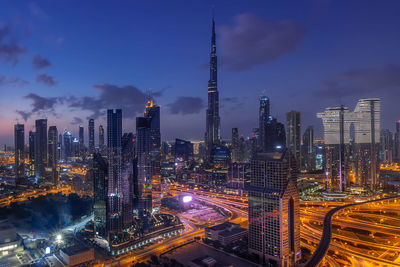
{"x": 187, "y": 199}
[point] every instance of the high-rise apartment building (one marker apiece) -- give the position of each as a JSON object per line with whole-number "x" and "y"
{"x": 127, "y": 178}
{"x": 60, "y": 147}
{"x": 235, "y": 145}
{"x": 91, "y": 136}
{"x": 213, "y": 127}
{"x": 293, "y": 135}
{"x": 397, "y": 142}
{"x": 386, "y": 147}
{"x": 115, "y": 192}
{"x": 31, "y": 154}
{"x": 101, "y": 139}
{"x": 67, "y": 147}
{"x": 263, "y": 119}
{"x": 53, "y": 174}
{"x": 100, "y": 190}
{"x": 19, "y": 152}
{"x": 274, "y": 211}
{"x": 307, "y": 150}
{"x": 40, "y": 149}
{"x": 81, "y": 140}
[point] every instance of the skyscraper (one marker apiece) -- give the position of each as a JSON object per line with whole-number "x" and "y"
{"x": 293, "y": 135}
{"x": 91, "y": 136}
{"x": 127, "y": 173}
{"x": 336, "y": 121}
{"x": 397, "y": 142}
{"x": 101, "y": 139}
{"x": 40, "y": 149}
{"x": 213, "y": 135}
{"x": 274, "y": 211}
{"x": 100, "y": 190}
{"x": 67, "y": 146}
{"x": 386, "y": 146}
{"x": 60, "y": 147}
{"x": 263, "y": 118}
{"x": 115, "y": 193}
{"x": 53, "y": 156}
{"x": 19, "y": 154}
{"x": 367, "y": 138}
{"x": 235, "y": 145}
{"x": 81, "y": 140}
{"x": 148, "y": 150}
{"x": 31, "y": 154}
{"x": 307, "y": 150}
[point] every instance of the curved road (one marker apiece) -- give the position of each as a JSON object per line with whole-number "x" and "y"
{"x": 323, "y": 246}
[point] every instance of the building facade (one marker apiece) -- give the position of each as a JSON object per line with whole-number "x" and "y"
{"x": 274, "y": 211}
{"x": 293, "y": 135}
{"x": 40, "y": 149}
{"x": 19, "y": 152}
{"x": 53, "y": 175}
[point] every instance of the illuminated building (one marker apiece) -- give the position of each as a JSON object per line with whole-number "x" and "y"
{"x": 307, "y": 150}
{"x": 238, "y": 174}
{"x": 19, "y": 152}
{"x": 40, "y": 149}
{"x": 67, "y": 146}
{"x": 81, "y": 140}
{"x": 274, "y": 211}
{"x": 75, "y": 147}
{"x": 183, "y": 151}
{"x": 293, "y": 135}
{"x": 386, "y": 147}
{"x": 59, "y": 147}
{"x": 255, "y": 140}
{"x": 336, "y": 121}
{"x": 53, "y": 156}
{"x": 213, "y": 127}
{"x": 91, "y": 136}
{"x": 319, "y": 154}
{"x": 397, "y": 142}
{"x": 235, "y": 145}
{"x": 263, "y": 118}
{"x": 367, "y": 138}
{"x": 31, "y": 154}
{"x": 100, "y": 190}
{"x": 128, "y": 155}
{"x": 115, "y": 192}
{"x": 101, "y": 139}
{"x": 220, "y": 159}
{"x": 148, "y": 150}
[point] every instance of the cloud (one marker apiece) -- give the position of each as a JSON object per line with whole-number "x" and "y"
{"x": 186, "y": 105}
{"x": 39, "y": 62}
{"x": 45, "y": 79}
{"x": 253, "y": 41}
{"x": 362, "y": 81}
{"x": 76, "y": 121}
{"x": 10, "y": 50}
{"x": 12, "y": 81}
{"x": 127, "y": 97}
{"x": 40, "y": 103}
{"x": 37, "y": 11}
{"x": 24, "y": 114}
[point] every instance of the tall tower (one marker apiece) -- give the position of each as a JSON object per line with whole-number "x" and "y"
{"x": 67, "y": 146}
{"x": 101, "y": 139}
{"x": 31, "y": 154}
{"x": 274, "y": 214}
{"x": 81, "y": 140}
{"x": 293, "y": 134}
{"x": 19, "y": 147}
{"x": 53, "y": 155}
{"x": 100, "y": 185}
{"x": 263, "y": 119}
{"x": 213, "y": 127}
{"x": 115, "y": 193}
{"x": 235, "y": 145}
{"x": 91, "y": 136}
{"x": 40, "y": 149}
{"x": 307, "y": 150}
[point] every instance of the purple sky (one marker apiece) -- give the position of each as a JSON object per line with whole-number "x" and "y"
{"x": 71, "y": 60}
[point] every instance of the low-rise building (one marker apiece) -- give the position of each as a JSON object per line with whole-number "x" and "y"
{"x": 10, "y": 241}
{"x": 77, "y": 255}
{"x": 225, "y": 233}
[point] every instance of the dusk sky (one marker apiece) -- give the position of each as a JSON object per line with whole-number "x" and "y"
{"x": 71, "y": 60}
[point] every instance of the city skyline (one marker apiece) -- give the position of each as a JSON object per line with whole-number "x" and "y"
{"x": 36, "y": 72}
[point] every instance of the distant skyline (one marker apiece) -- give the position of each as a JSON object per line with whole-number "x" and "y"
{"x": 71, "y": 60}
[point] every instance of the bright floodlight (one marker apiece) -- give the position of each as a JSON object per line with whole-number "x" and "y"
{"x": 58, "y": 237}
{"x": 47, "y": 251}
{"x": 187, "y": 199}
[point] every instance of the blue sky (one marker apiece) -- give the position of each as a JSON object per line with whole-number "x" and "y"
{"x": 94, "y": 55}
